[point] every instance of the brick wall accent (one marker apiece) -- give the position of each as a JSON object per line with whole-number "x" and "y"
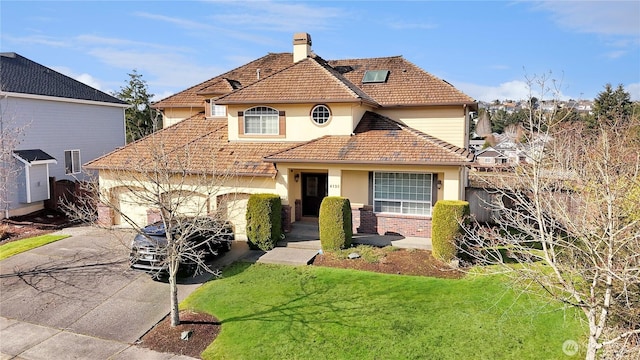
{"x": 153, "y": 215}
{"x": 365, "y": 221}
{"x": 298, "y": 205}
{"x": 286, "y": 218}
{"x": 105, "y": 215}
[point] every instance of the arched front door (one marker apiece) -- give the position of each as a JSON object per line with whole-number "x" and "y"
{"x": 314, "y": 189}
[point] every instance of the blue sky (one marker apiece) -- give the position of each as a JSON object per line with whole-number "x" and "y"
{"x": 488, "y": 49}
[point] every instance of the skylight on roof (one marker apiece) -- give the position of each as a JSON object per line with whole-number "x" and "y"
{"x": 375, "y": 76}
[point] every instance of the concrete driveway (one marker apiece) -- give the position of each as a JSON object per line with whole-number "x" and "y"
{"x": 77, "y": 298}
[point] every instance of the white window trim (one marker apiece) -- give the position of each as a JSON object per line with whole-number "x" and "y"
{"x": 328, "y": 118}
{"x": 75, "y": 168}
{"x": 428, "y": 202}
{"x": 215, "y": 107}
{"x": 262, "y": 121}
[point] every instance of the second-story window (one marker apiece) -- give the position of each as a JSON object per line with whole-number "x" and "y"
{"x": 261, "y": 120}
{"x": 218, "y": 110}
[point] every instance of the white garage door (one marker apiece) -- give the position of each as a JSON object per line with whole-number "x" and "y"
{"x": 129, "y": 204}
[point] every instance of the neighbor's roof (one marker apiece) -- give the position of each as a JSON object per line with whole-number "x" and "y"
{"x": 194, "y": 145}
{"x": 377, "y": 140}
{"x": 21, "y": 75}
{"x": 275, "y": 78}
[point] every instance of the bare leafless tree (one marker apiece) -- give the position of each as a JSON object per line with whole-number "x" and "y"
{"x": 569, "y": 218}
{"x": 178, "y": 181}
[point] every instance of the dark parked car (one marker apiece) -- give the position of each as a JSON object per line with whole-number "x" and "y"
{"x": 205, "y": 236}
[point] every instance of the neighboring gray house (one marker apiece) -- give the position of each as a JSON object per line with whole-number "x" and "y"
{"x": 63, "y": 124}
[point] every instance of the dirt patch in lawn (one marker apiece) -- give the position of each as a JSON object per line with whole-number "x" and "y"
{"x": 205, "y": 327}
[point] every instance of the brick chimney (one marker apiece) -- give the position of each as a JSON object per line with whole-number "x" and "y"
{"x": 301, "y": 46}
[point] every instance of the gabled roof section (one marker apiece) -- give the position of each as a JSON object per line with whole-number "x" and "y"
{"x": 196, "y": 145}
{"x": 406, "y": 84}
{"x": 21, "y": 75}
{"x": 239, "y": 77}
{"x": 308, "y": 80}
{"x": 377, "y": 140}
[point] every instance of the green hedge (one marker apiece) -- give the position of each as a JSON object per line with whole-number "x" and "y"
{"x": 335, "y": 224}
{"x": 445, "y": 227}
{"x": 264, "y": 221}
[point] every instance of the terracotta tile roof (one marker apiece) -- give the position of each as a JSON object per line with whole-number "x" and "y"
{"x": 377, "y": 140}
{"x": 407, "y": 84}
{"x": 241, "y": 76}
{"x": 309, "y": 80}
{"x": 316, "y": 80}
{"x": 196, "y": 145}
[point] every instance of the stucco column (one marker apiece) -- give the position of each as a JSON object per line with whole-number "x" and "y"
{"x": 451, "y": 184}
{"x": 335, "y": 180}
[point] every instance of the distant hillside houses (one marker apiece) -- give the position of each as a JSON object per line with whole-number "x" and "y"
{"x": 511, "y": 106}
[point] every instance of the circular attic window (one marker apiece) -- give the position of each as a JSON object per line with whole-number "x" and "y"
{"x": 320, "y": 114}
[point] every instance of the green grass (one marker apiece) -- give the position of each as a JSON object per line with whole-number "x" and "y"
{"x": 18, "y": 246}
{"x": 283, "y": 312}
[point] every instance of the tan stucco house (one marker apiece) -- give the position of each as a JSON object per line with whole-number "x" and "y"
{"x": 380, "y": 131}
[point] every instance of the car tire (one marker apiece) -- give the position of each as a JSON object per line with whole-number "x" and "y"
{"x": 187, "y": 270}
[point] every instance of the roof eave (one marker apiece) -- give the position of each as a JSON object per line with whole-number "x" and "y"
{"x": 366, "y": 162}
{"x": 305, "y": 101}
{"x": 471, "y": 104}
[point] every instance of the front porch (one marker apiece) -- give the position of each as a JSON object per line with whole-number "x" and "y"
{"x": 304, "y": 234}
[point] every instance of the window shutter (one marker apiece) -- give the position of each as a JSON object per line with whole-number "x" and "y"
{"x": 282, "y": 125}
{"x": 240, "y": 123}
{"x": 434, "y": 189}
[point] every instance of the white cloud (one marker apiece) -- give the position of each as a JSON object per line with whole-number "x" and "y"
{"x": 164, "y": 94}
{"x": 597, "y": 17}
{"x": 159, "y": 70}
{"x": 36, "y": 40}
{"x": 408, "y": 26}
{"x": 634, "y": 91}
{"x": 89, "y": 80}
{"x": 183, "y": 23}
{"x": 278, "y": 16}
{"x": 83, "y": 78}
{"x": 510, "y": 90}
{"x": 92, "y": 40}
{"x": 615, "y": 54}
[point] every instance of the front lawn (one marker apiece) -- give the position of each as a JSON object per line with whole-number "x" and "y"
{"x": 284, "y": 312}
{"x": 18, "y": 246}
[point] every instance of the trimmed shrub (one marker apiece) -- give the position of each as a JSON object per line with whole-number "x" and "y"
{"x": 264, "y": 221}
{"x": 335, "y": 225}
{"x": 445, "y": 227}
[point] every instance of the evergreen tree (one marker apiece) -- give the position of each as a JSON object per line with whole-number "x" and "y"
{"x": 611, "y": 104}
{"x": 141, "y": 119}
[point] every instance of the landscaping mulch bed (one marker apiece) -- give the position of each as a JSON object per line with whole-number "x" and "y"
{"x": 164, "y": 338}
{"x": 401, "y": 262}
{"x": 205, "y": 327}
{"x": 35, "y": 224}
